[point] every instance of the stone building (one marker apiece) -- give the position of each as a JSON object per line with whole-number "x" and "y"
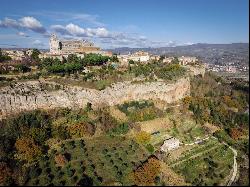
{"x": 62, "y": 48}
{"x": 170, "y": 144}
{"x": 17, "y": 55}
{"x": 71, "y": 46}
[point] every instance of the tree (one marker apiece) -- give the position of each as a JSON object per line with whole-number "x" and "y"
{"x": 175, "y": 60}
{"x": 161, "y": 58}
{"x": 27, "y": 149}
{"x": 131, "y": 62}
{"x": 146, "y": 174}
{"x": 89, "y": 106}
{"x": 4, "y": 57}
{"x": 235, "y": 133}
{"x": 143, "y": 137}
{"x": 114, "y": 58}
{"x": 150, "y": 148}
{"x": 81, "y": 130}
{"x": 23, "y": 68}
{"x": 72, "y": 58}
{"x": 5, "y": 174}
{"x": 35, "y": 55}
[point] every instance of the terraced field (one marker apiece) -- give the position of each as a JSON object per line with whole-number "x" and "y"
{"x": 207, "y": 164}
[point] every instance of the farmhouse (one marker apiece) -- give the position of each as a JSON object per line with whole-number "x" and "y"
{"x": 170, "y": 144}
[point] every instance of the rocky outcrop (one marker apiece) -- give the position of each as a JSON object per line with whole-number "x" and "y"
{"x": 32, "y": 95}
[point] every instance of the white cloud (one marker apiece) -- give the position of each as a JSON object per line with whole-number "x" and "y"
{"x": 101, "y": 32}
{"x": 22, "y": 34}
{"x": 99, "y": 35}
{"x": 30, "y": 23}
{"x": 75, "y": 30}
{"x": 9, "y": 23}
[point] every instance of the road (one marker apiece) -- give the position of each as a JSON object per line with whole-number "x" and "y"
{"x": 198, "y": 141}
{"x": 235, "y": 167}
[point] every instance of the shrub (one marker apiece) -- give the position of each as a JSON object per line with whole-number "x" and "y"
{"x": 60, "y": 160}
{"x": 143, "y": 137}
{"x": 150, "y": 148}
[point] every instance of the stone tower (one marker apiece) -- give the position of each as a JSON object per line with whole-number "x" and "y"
{"x": 54, "y": 44}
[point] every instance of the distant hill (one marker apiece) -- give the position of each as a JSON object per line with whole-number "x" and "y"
{"x": 22, "y": 49}
{"x": 209, "y": 53}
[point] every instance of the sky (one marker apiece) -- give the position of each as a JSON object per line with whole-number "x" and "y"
{"x": 124, "y": 23}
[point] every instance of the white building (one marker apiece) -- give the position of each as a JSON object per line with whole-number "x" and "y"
{"x": 231, "y": 69}
{"x": 170, "y": 144}
{"x": 168, "y": 60}
{"x": 155, "y": 57}
{"x": 184, "y": 60}
{"x": 139, "y": 56}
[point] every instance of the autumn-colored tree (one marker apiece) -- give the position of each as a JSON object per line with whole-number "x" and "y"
{"x": 229, "y": 101}
{"x": 236, "y": 133}
{"x": 81, "y": 129}
{"x": 5, "y": 174}
{"x": 187, "y": 100}
{"x": 145, "y": 175}
{"x": 143, "y": 137}
{"x": 60, "y": 160}
{"x": 27, "y": 149}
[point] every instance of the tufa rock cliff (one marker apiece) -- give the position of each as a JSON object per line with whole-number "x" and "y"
{"x": 32, "y": 95}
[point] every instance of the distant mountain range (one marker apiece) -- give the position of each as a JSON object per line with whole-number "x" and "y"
{"x": 210, "y": 53}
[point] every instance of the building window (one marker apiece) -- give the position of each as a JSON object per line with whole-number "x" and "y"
{"x": 60, "y": 45}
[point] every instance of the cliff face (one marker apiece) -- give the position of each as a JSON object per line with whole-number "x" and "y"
{"x": 196, "y": 70}
{"x": 32, "y": 95}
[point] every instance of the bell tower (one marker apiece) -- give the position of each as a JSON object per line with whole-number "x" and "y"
{"x": 54, "y": 44}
